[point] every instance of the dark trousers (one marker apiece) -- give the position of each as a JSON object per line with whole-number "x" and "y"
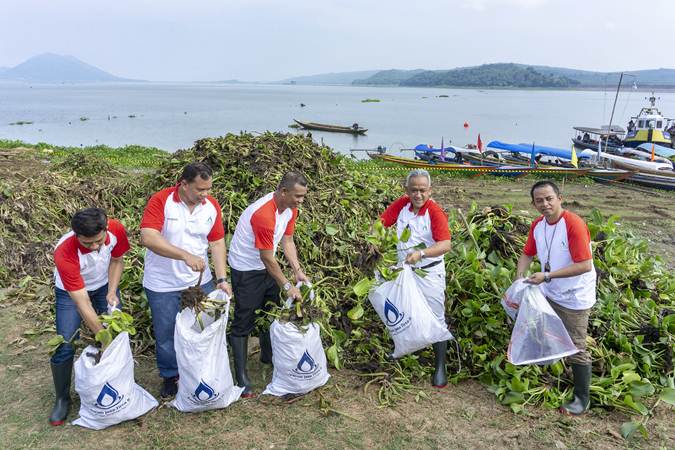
{"x": 68, "y": 318}
{"x": 252, "y": 290}
{"x": 164, "y": 307}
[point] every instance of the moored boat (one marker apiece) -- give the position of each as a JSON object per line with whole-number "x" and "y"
{"x": 650, "y": 126}
{"x": 354, "y": 129}
{"x": 504, "y": 170}
{"x": 590, "y": 138}
{"x": 598, "y": 173}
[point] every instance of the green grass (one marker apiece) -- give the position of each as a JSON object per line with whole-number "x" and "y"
{"x": 127, "y": 157}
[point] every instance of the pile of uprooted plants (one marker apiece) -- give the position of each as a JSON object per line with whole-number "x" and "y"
{"x": 632, "y": 328}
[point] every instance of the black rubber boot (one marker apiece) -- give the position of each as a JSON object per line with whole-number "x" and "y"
{"x": 169, "y": 388}
{"x": 240, "y": 354}
{"x": 265, "y": 346}
{"x": 440, "y": 379}
{"x": 582, "y": 391}
{"x": 61, "y": 373}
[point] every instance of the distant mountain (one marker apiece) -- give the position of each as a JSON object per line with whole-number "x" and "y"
{"x": 519, "y": 76}
{"x": 490, "y": 75}
{"x": 649, "y": 77}
{"x": 51, "y": 68}
{"x": 388, "y": 77}
{"x": 330, "y": 78}
{"x": 4, "y": 69}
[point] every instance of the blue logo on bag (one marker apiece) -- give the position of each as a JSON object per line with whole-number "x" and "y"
{"x": 204, "y": 394}
{"x": 306, "y": 363}
{"x": 203, "y": 391}
{"x": 391, "y": 314}
{"x": 108, "y": 397}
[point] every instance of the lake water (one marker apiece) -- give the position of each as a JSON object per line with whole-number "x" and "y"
{"x": 173, "y": 116}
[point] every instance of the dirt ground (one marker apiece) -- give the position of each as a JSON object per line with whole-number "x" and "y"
{"x": 340, "y": 415}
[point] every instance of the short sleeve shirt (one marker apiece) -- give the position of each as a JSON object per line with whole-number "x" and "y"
{"x": 189, "y": 230}
{"x": 78, "y": 267}
{"x": 562, "y": 244}
{"x": 428, "y": 226}
{"x": 260, "y": 227}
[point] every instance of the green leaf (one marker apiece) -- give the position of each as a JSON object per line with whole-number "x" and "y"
{"x": 641, "y": 389}
{"x": 405, "y": 235}
{"x": 637, "y": 406}
{"x": 56, "y": 340}
{"x": 668, "y": 395}
{"x": 332, "y": 355}
{"x": 513, "y": 397}
{"x": 104, "y": 337}
{"x": 557, "y": 368}
{"x": 356, "y": 312}
{"x": 628, "y": 428}
{"x": 362, "y": 288}
{"x": 331, "y": 230}
{"x": 421, "y": 272}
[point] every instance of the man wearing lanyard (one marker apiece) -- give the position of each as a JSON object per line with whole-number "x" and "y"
{"x": 256, "y": 274}
{"x": 89, "y": 264}
{"x": 428, "y": 225}
{"x": 180, "y": 225}
{"x": 561, "y": 241}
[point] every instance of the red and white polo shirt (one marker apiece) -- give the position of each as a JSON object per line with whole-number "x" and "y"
{"x": 562, "y": 244}
{"x": 260, "y": 227}
{"x": 428, "y": 226}
{"x": 190, "y": 231}
{"x": 78, "y": 267}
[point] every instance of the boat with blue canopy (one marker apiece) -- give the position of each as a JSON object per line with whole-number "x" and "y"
{"x": 536, "y": 149}
{"x": 659, "y": 150}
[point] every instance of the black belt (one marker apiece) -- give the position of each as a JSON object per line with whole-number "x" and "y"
{"x": 430, "y": 265}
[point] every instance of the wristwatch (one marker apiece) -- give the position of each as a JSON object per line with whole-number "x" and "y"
{"x": 422, "y": 255}
{"x": 221, "y": 280}
{"x": 287, "y": 286}
{"x": 547, "y": 277}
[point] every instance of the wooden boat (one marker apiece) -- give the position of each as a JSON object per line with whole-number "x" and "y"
{"x": 497, "y": 159}
{"x": 504, "y": 170}
{"x": 589, "y": 138}
{"x": 636, "y": 165}
{"x": 654, "y": 181}
{"x": 354, "y": 129}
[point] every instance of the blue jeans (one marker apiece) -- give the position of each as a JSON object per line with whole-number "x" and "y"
{"x": 164, "y": 307}
{"x": 68, "y": 318}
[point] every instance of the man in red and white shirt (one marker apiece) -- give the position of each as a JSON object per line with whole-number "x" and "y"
{"x": 561, "y": 241}
{"x": 428, "y": 225}
{"x": 180, "y": 225}
{"x": 89, "y": 264}
{"x": 256, "y": 274}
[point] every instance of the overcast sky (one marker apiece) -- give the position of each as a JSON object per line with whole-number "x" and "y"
{"x": 251, "y": 40}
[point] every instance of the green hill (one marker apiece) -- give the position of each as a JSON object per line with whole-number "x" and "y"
{"x": 518, "y": 76}
{"x": 490, "y": 75}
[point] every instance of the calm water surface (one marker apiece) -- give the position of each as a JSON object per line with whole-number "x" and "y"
{"x": 173, "y": 116}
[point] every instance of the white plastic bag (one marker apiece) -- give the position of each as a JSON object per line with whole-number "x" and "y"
{"x": 203, "y": 364}
{"x": 405, "y": 312}
{"x": 108, "y": 393}
{"x": 300, "y": 364}
{"x": 514, "y": 296}
{"x": 539, "y": 336}
{"x": 299, "y": 359}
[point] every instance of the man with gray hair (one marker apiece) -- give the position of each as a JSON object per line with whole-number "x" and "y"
{"x": 428, "y": 225}
{"x": 256, "y": 275}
